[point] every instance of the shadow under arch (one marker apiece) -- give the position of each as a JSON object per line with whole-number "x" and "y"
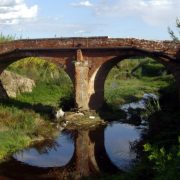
{"x": 98, "y": 78}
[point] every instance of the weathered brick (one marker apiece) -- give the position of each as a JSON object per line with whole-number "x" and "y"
{"x": 99, "y": 54}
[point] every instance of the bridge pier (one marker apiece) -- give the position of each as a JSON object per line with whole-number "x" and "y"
{"x": 81, "y": 82}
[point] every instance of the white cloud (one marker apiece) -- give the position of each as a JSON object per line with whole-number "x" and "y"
{"x": 14, "y": 11}
{"x": 82, "y": 4}
{"x": 154, "y": 12}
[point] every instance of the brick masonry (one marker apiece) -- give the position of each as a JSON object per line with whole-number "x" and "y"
{"x": 88, "y": 60}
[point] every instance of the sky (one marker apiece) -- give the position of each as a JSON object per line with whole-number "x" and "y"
{"x": 142, "y": 19}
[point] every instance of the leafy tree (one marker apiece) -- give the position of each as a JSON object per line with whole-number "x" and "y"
{"x": 171, "y": 32}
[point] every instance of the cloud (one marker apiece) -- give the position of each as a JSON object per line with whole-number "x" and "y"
{"x": 153, "y": 12}
{"x": 14, "y": 11}
{"x": 82, "y": 4}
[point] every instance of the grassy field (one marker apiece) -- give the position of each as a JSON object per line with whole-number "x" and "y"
{"x": 132, "y": 78}
{"x": 19, "y": 128}
{"x": 52, "y": 83}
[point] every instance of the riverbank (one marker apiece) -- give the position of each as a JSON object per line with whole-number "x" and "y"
{"x": 21, "y": 128}
{"x": 158, "y": 151}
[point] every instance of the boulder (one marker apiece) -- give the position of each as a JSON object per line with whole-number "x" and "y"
{"x": 15, "y": 84}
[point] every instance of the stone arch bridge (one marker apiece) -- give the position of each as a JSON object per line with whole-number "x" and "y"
{"x": 87, "y": 61}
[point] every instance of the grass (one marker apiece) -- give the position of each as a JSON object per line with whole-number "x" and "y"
{"x": 4, "y": 38}
{"x": 122, "y": 86}
{"x": 52, "y": 83}
{"x": 45, "y": 93}
{"x": 19, "y": 128}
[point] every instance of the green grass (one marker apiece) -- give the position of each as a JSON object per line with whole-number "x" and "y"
{"x": 123, "y": 86}
{"x": 52, "y": 83}
{"x": 126, "y": 91}
{"x": 4, "y": 38}
{"x": 12, "y": 141}
{"x": 46, "y": 94}
{"x": 19, "y": 128}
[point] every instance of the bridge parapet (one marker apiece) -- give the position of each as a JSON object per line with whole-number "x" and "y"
{"x": 168, "y": 47}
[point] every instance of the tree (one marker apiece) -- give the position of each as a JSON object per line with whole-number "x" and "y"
{"x": 171, "y": 32}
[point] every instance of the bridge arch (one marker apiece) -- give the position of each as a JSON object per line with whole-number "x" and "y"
{"x": 60, "y": 66}
{"x": 62, "y": 59}
{"x": 97, "y": 79}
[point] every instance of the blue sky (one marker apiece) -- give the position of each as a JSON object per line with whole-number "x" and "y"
{"x": 144, "y": 19}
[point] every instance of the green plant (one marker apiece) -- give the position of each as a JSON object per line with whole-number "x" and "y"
{"x": 152, "y": 106}
{"x": 19, "y": 128}
{"x": 5, "y": 38}
{"x": 166, "y": 164}
{"x": 171, "y": 32}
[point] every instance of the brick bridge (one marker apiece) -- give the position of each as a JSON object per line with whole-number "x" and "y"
{"x": 87, "y": 61}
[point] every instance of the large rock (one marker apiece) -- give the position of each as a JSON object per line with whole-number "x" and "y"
{"x": 15, "y": 84}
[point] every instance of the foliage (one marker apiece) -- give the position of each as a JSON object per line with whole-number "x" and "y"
{"x": 18, "y": 128}
{"x": 165, "y": 163}
{"x": 171, "y": 32}
{"x": 133, "y": 78}
{"x": 46, "y": 94}
{"x": 4, "y": 38}
{"x": 152, "y": 106}
{"x": 52, "y": 84}
{"x": 41, "y": 70}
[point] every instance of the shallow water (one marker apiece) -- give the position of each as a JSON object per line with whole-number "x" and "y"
{"x": 118, "y": 138}
{"x": 50, "y": 154}
{"x": 139, "y": 104}
{"x": 104, "y": 149}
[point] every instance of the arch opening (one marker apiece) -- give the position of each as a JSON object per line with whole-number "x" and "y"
{"x": 112, "y": 68}
{"x": 130, "y": 79}
{"x": 38, "y": 83}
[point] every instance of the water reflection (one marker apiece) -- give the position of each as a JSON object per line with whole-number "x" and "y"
{"x": 104, "y": 149}
{"x": 50, "y": 153}
{"x": 118, "y": 144}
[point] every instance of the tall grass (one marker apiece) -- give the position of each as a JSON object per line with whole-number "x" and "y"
{"x": 5, "y": 38}
{"x": 134, "y": 77}
{"x": 18, "y": 128}
{"x": 52, "y": 83}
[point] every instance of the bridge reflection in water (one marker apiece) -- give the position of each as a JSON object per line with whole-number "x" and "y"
{"x": 76, "y": 154}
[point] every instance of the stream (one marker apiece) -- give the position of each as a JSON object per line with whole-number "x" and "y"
{"x": 77, "y": 153}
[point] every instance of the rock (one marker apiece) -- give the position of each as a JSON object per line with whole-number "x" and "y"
{"x": 59, "y": 113}
{"x": 79, "y": 114}
{"x": 15, "y": 84}
{"x": 91, "y": 117}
